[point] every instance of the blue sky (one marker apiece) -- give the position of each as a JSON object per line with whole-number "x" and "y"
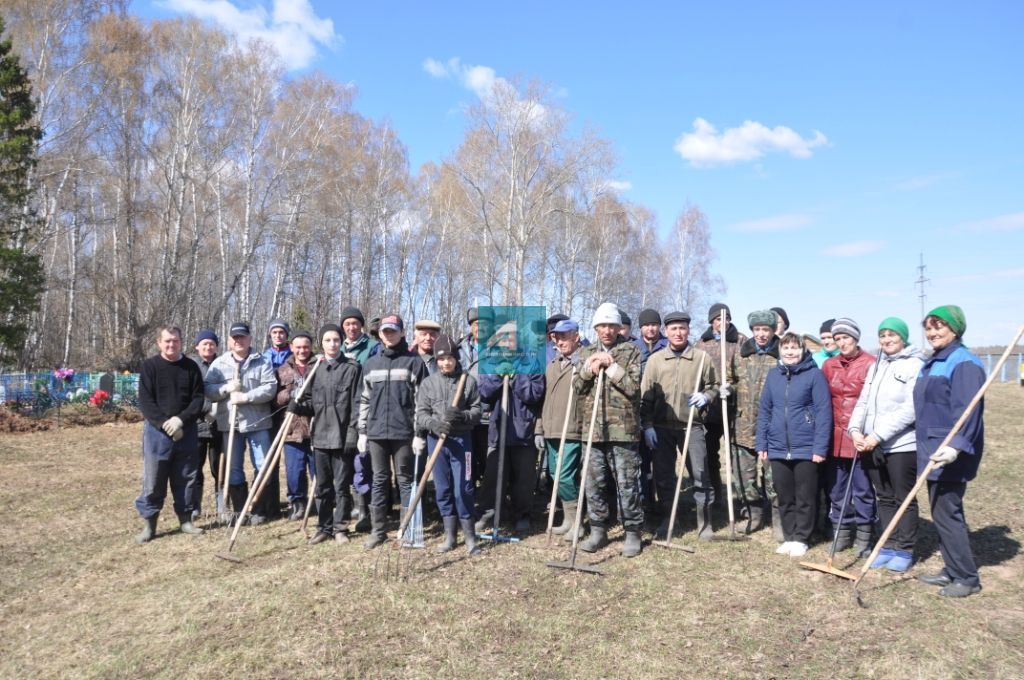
{"x": 828, "y": 145}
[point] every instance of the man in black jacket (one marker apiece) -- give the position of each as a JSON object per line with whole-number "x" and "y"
{"x": 171, "y": 400}
{"x": 387, "y": 421}
{"x": 211, "y": 444}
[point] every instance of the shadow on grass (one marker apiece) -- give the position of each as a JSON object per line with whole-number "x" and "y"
{"x": 991, "y": 545}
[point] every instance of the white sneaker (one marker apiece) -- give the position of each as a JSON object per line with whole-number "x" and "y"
{"x": 797, "y": 549}
{"x": 784, "y": 548}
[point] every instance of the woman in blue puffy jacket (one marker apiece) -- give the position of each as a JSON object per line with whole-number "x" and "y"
{"x": 794, "y": 423}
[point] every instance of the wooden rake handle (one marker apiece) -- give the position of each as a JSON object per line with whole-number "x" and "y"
{"x": 923, "y": 477}
{"x": 685, "y": 452}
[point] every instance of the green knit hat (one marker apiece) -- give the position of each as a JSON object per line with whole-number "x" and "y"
{"x": 762, "y": 317}
{"x": 953, "y": 316}
{"x": 897, "y": 326}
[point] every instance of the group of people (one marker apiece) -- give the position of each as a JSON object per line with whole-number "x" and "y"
{"x": 837, "y": 424}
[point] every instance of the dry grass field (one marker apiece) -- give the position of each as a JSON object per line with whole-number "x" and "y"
{"x": 78, "y": 598}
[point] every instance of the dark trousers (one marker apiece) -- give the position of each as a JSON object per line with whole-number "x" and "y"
{"x": 479, "y": 445}
{"x": 165, "y": 460}
{"x": 796, "y": 485}
{"x": 453, "y": 476}
{"x": 384, "y": 452}
{"x": 947, "y": 502}
{"x": 207, "y": 450}
{"x": 860, "y": 509}
{"x": 333, "y": 473}
{"x": 713, "y": 433}
{"x": 299, "y": 462}
{"x": 518, "y": 479}
{"x": 892, "y": 482}
{"x": 647, "y": 490}
{"x": 669, "y": 444}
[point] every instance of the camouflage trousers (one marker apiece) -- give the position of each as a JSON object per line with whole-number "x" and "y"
{"x": 614, "y": 467}
{"x": 752, "y": 478}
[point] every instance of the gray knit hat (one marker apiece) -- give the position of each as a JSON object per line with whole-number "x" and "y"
{"x": 846, "y": 326}
{"x": 762, "y": 317}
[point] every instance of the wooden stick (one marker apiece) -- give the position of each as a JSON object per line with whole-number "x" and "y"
{"x": 232, "y": 414}
{"x": 586, "y": 466}
{"x": 685, "y": 452}
{"x": 430, "y": 463}
{"x": 561, "y": 453}
{"x": 725, "y": 427}
{"x": 267, "y": 463}
{"x": 923, "y": 477}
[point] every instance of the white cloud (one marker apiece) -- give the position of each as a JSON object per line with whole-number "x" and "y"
{"x": 292, "y": 26}
{"x": 706, "y": 146}
{"x": 787, "y": 222}
{"x": 1008, "y": 222}
{"x": 853, "y": 249}
{"x": 618, "y": 185}
{"x": 988, "y": 276}
{"x": 484, "y": 82}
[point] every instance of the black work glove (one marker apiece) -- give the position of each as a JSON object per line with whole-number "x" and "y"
{"x": 878, "y": 457}
{"x": 294, "y": 407}
{"x": 452, "y": 415}
{"x": 444, "y": 427}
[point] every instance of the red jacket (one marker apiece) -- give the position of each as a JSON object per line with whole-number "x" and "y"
{"x": 845, "y": 378}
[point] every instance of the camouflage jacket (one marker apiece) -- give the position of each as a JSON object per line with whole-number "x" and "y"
{"x": 617, "y": 415}
{"x": 751, "y": 369}
{"x": 733, "y": 341}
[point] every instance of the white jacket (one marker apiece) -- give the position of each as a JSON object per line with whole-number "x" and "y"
{"x": 885, "y": 408}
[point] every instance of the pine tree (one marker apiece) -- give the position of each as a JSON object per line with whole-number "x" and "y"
{"x": 21, "y": 272}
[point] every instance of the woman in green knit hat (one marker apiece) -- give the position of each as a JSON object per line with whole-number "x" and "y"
{"x": 947, "y": 383}
{"x": 882, "y": 428}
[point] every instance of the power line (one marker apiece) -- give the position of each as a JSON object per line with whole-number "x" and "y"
{"x": 921, "y": 295}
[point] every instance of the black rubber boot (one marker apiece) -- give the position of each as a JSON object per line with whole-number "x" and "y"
{"x": 148, "y": 530}
{"x": 187, "y": 527}
{"x": 298, "y": 511}
{"x": 598, "y": 539}
{"x": 634, "y": 545}
{"x": 704, "y": 530}
{"x": 845, "y": 539}
{"x": 862, "y": 544}
{"x": 237, "y": 493}
{"x": 450, "y": 527}
{"x": 483, "y": 525}
{"x": 568, "y": 518}
{"x": 363, "y": 507}
{"x": 469, "y": 535}
{"x": 378, "y": 531}
{"x": 756, "y": 521}
{"x": 197, "y": 502}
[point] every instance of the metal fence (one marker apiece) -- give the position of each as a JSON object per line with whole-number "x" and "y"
{"x": 34, "y": 393}
{"x": 1012, "y": 370}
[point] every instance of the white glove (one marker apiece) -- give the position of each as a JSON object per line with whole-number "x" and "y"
{"x": 539, "y": 442}
{"x": 651, "y": 438}
{"x": 944, "y": 456}
{"x": 725, "y": 390}
{"x": 233, "y": 385}
{"x": 698, "y": 399}
{"x": 173, "y": 426}
{"x": 419, "y": 445}
{"x": 239, "y": 398}
{"x": 361, "y": 443}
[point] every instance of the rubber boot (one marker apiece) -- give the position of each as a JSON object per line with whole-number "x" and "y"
{"x": 451, "y": 525}
{"x": 469, "y": 535}
{"x": 862, "y": 544}
{"x": 237, "y": 493}
{"x": 568, "y": 518}
{"x": 661, "y": 533}
{"x": 704, "y": 530}
{"x": 197, "y": 498}
{"x": 378, "y": 530}
{"x": 777, "y": 533}
{"x": 187, "y": 527}
{"x": 258, "y": 511}
{"x": 756, "y": 521}
{"x": 634, "y": 545}
{"x": 148, "y": 530}
{"x": 363, "y": 506}
{"x": 845, "y": 539}
{"x": 598, "y": 539}
{"x": 298, "y": 511}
